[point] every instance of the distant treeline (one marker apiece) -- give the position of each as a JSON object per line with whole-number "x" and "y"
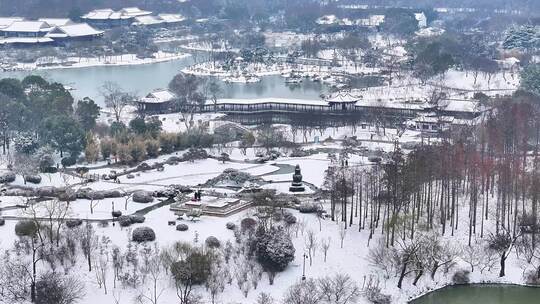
{"x": 527, "y": 6}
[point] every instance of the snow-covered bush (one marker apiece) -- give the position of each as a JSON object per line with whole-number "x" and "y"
{"x": 25, "y": 228}
{"x": 57, "y": 288}
{"x": 124, "y": 220}
{"x": 275, "y": 251}
{"x": 116, "y": 213}
{"x": 182, "y": 227}
{"x": 248, "y": 224}
{"x": 231, "y": 176}
{"x": 531, "y": 277}
{"x": 68, "y": 161}
{"x": 7, "y": 177}
{"x": 25, "y": 142}
{"x": 212, "y": 242}
{"x": 2, "y": 222}
{"x": 137, "y": 219}
{"x": 67, "y": 196}
{"x": 277, "y": 216}
{"x": 289, "y": 218}
{"x": 73, "y": 223}
{"x": 230, "y": 225}
{"x": 143, "y": 197}
{"x": 308, "y": 208}
{"x": 34, "y": 179}
{"x": 461, "y": 277}
{"x": 103, "y": 223}
{"x": 143, "y": 234}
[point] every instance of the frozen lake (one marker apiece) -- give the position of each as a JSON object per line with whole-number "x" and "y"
{"x": 142, "y": 79}
{"x": 477, "y": 293}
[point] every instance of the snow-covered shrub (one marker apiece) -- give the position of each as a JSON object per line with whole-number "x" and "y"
{"x": 308, "y": 208}
{"x": 68, "y": 161}
{"x": 377, "y": 297}
{"x": 231, "y": 176}
{"x": 34, "y": 179}
{"x": 289, "y": 218}
{"x": 137, "y": 219}
{"x": 73, "y": 223}
{"x": 103, "y": 223}
{"x": 2, "y": 222}
{"x": 274, "y": 250}
{"x": 116, "y": 213}
{"x": 96, "y": 195}
{"x": 461, "y": 277}
{"x": 248, "y": 224}
{"x": 56, "y": 288}
{"x": 67, "y": 196}
{"x": 182, "y": 227}
{"x": 124, "y": 220}
{"x": 7, "y": 177}
{"x": 194, "y": 154}
{"x": 277, "y": 216}
{"x": 111, "y": 193}
{"x": 144, "y": 167}
{"x": 25, "y": 228}
{"x": 143, "y": 197}
{"x": 25, "y": 142}
{"x": 531, "y": 277}
{"x": 212, "y": 242}
{"x": 230, "y": 225}
{"x": 143, "y": 234}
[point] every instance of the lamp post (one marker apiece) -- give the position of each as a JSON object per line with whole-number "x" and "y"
{"x": 304, "y": 267}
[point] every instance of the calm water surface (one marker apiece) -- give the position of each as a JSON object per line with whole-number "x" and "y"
{"x": 142, "y": 79}
{"x": 482, "y": 294}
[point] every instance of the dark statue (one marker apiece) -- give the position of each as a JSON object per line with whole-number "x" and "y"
{"x": 297, "y": 185}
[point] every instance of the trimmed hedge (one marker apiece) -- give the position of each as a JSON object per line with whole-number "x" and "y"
{"x": 182, "y": 227}
{"x": 143, "y": 234}
{"x": 74, "y": 223}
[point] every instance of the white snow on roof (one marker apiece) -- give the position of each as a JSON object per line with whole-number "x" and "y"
{"x": 7, "y": 21}
{"x": 172, "y": 18}
{"x": 74, "y": 30}
{"x": 56, "y": 21}
{"x": 158, "y": 96}
{"x": 455, "y": 105}
{"x": 99, "y": 14}
{"x": 148, "y": 20}
{"x": 28, "y": 27}
{"x": 109, "y": 14}
{"x": 134, "y": 11}
{"x": 343, "y": 97}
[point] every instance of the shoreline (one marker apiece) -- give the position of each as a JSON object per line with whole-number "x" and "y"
{"x": 90, "y": 63}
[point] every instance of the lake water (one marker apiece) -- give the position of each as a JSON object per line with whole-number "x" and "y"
{"x": 142, "y": 79}
{"x": 480, "y": 294}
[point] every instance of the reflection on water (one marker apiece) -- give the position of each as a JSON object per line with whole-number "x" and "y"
{"x": 492, "y": 294}
{"x": 142, "y": 79}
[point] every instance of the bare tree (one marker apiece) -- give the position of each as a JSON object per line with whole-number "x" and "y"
{"x": 342, "y": 233}
{"x": 154, "y": 270}
{"x": 101, "y": 264}
{"x": 338, "y": 289}
{"x": 311, "y": 245}
{"x": 303, "y": 292}
{"x": 325, "y": 245}
{"x": 116, "y": 99}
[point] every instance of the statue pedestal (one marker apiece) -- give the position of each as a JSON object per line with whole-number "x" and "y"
{"x": 297, "y": 188}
